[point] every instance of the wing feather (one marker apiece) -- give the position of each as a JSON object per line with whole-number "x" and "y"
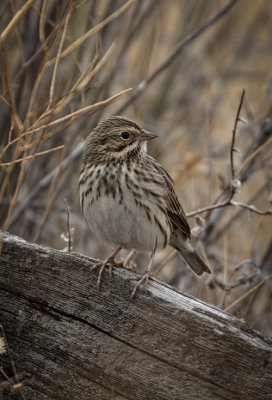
{"x": 174, "y": 209}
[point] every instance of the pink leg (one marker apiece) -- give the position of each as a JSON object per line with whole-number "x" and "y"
{"x": 110, "y": 262}
{"x": 144, "y": 278}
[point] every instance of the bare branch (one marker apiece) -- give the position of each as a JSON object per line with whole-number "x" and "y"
{"x": 226, "y": 203}
{"x": 209, "y": 208}
{"x": 234, "y": 184}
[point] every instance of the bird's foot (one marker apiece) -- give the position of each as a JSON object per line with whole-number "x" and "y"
{"x": 142, "y": 279}
{"x": 109, "y": 262}
{"x": 145, "y": 276}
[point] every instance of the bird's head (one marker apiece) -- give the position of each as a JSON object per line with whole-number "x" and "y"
{"x": 116, "y": 138}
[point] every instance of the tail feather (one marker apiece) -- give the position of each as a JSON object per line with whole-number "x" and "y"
{"x": 194, "y": 261}
{"x": 189, "y": 254}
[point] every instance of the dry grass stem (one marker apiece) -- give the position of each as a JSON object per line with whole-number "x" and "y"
{"x": 92, "y": 31}
{"x": 19, "y": 15}
{"x": 32, "y": 156}
{"x": 245, "y": 295}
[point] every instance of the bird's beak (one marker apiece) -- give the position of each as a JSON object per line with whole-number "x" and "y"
{"x": 147, "y": 135}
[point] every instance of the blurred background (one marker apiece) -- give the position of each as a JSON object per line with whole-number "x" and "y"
{"x": 60, "y": 63}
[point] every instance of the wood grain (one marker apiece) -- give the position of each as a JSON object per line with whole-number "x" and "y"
{"x": 69, "y": 341}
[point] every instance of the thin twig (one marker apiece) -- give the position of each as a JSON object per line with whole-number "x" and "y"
{"x": 250, "y": 208}
{"x": 232, "y": 149}
{"x": 226, "y": 203}
{"x": 209, "y": 208}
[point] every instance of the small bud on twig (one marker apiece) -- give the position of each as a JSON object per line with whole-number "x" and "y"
{"x": 235, "y": 185}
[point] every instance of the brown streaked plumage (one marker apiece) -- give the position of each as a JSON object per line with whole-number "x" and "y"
{"x": 128, "y": 198}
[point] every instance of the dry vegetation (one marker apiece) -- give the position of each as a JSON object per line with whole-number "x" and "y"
{"x": 68, "y": 64}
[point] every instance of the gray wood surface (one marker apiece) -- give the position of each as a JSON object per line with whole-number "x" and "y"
{"x": 70, "y": 342}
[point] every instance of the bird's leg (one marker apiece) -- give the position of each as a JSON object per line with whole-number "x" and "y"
{"x": 126, "y": 261}
{"x": 108, "y": 262}
{"x": 145, "y": 276}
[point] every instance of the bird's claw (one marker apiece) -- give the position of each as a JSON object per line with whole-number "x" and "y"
{"x": 109, "y": 262}
{"x": 142, "y": 279}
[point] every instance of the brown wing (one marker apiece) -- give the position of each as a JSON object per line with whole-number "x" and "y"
{"x": 174, "y": 208}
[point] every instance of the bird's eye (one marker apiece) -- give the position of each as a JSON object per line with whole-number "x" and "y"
{"x": 125, "y": 135}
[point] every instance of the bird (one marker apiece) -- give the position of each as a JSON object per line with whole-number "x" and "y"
{"x": 128, "y": 199}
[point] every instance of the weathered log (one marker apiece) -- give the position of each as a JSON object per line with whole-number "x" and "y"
{"x": 69, "y": 341}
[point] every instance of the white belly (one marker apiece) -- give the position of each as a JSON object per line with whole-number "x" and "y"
{"x": 126, "y": 227}
{"x": 127, "y": 224}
